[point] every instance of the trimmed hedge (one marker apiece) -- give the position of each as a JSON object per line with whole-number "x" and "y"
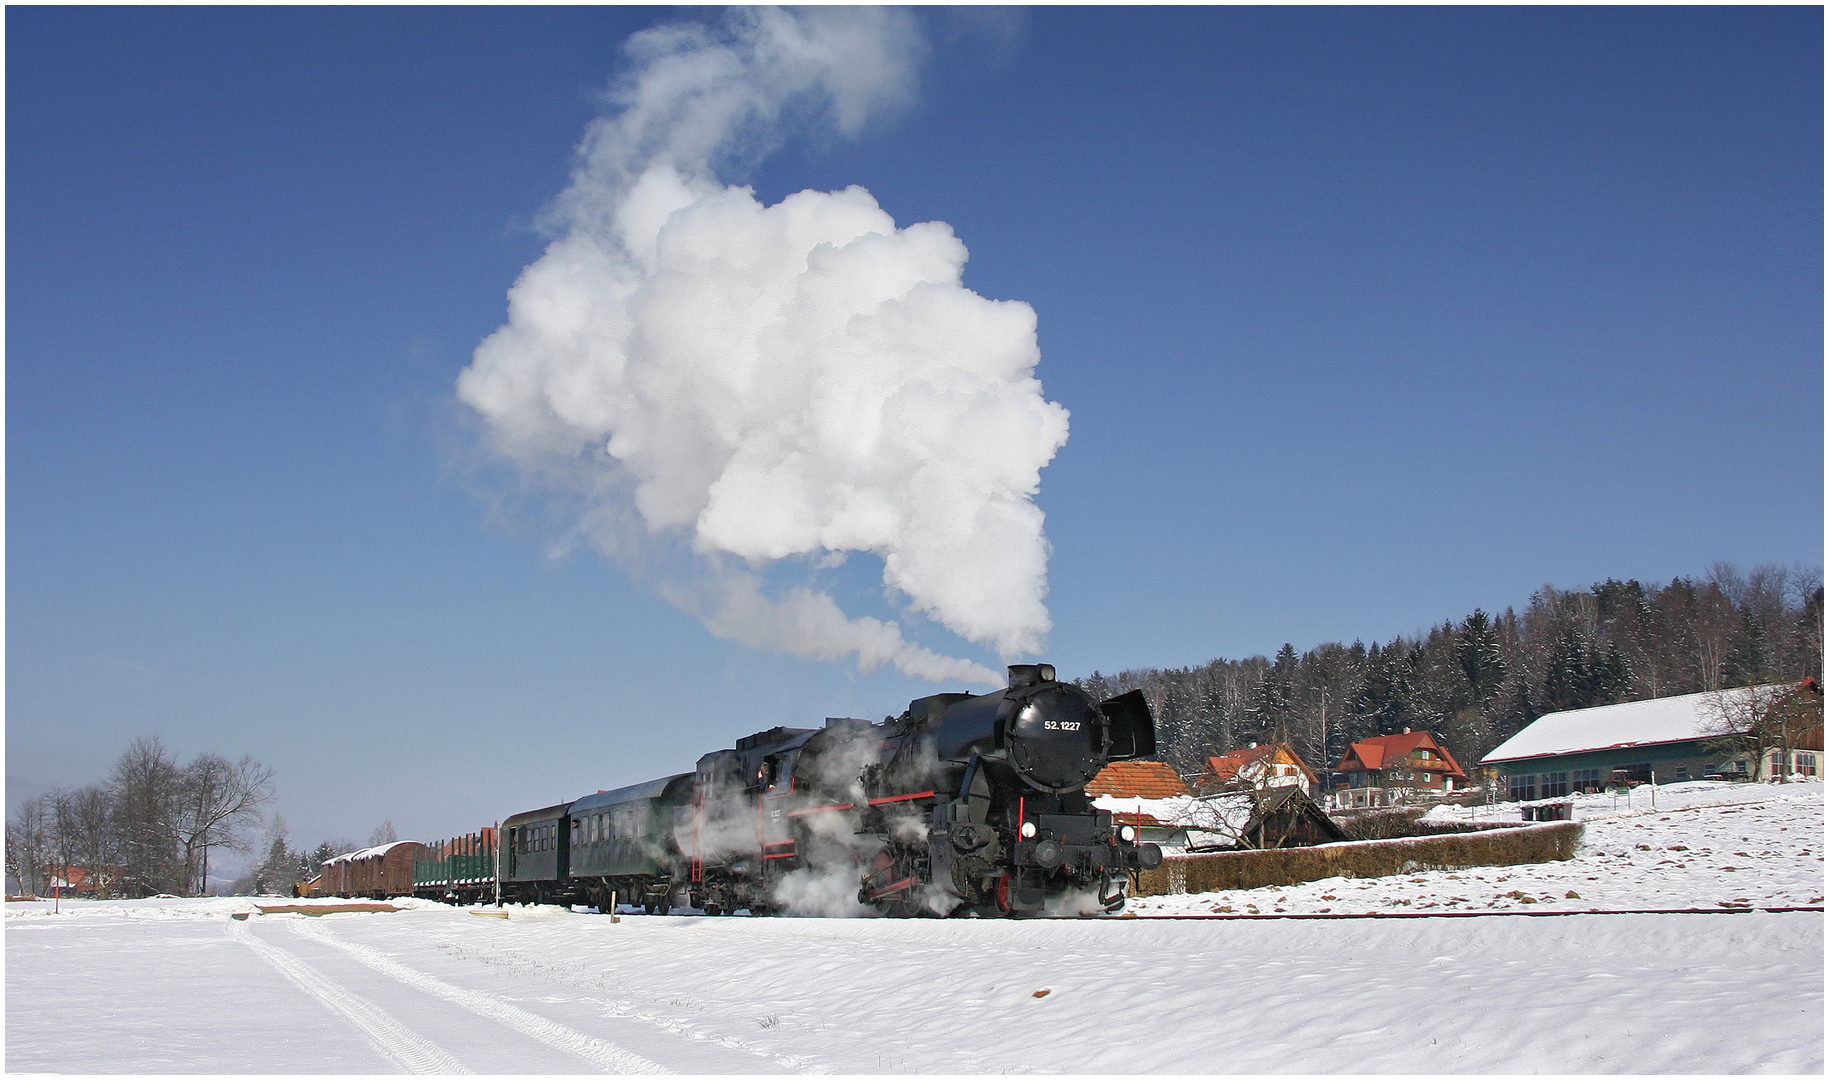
{"x": 1360, "y": 858}
{"x": 1384, "y": 824}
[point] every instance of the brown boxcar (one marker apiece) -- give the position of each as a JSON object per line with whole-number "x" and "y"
{"x": 378, "y": 872}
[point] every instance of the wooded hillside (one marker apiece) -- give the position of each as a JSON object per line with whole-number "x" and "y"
{"x": 1475, "y": 682}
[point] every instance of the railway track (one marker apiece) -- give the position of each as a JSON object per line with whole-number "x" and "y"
{"x": 1478, "y": 914}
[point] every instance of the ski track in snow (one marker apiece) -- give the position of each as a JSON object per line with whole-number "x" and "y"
{"x": 576, "y": 975}
{"x": 412, "y": 1053}
{"x": 604, "y": 1055}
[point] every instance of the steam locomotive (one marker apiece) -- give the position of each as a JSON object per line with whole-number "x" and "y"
{"x": 964, "y": 804}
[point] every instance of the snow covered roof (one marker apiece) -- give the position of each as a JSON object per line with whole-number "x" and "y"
{"x": 1607, "y": 727}
{"x": 1138, "y": 779}
{"x": 367, "y": 852}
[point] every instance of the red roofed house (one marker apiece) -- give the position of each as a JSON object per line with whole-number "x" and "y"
{"x": 1258, "y": 767}
{"x": 1138, "y": 780}
{"x": 1386, "y": 769}
{"x": 1145, "y": 782}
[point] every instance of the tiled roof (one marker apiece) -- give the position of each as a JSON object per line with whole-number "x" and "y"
{"x": 1225, "y": 767}
{"x": 1384, "y": 751}
{"x": 1138, "y": 780}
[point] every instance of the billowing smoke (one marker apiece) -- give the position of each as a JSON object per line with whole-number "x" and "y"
{"x": 719, "y": 388}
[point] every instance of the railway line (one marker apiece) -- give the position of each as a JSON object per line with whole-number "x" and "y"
{"x": 1465, "y": 914}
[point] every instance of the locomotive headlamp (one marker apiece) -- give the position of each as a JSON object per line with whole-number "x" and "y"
{"x": 1028, "y": 830}
{"x": 1127, "y": 833}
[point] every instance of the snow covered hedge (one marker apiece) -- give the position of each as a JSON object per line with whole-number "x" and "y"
{"x": 1360, "y": 858}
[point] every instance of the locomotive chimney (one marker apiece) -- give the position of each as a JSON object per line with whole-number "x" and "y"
{"x": 1023, "y": 676}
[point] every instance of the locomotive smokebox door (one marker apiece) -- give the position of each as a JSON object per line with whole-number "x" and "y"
{"x": 1053, "y": 738}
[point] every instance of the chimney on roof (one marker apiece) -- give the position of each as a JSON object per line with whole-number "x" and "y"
{"x": 1253, "y": 746}
{"x": 1406, "y": 731}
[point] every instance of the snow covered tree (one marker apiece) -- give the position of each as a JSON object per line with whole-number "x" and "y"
{"x": 1480, "y": 658}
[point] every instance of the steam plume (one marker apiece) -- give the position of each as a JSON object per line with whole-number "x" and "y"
{"x": 719, "y": 386}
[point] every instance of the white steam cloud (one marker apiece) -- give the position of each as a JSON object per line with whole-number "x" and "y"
{"x": 720, "y": 386}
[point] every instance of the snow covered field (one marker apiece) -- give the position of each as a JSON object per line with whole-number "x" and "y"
{"x": 179, "y": 986}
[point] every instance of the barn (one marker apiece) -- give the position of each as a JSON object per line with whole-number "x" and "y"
{"x": 1661, "y": 740}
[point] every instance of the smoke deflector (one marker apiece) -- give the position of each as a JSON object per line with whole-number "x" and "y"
{"x": 1133, "y": 732}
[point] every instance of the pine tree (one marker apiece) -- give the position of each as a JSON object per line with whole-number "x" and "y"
{"x": 1746, "y": 663}
{"x": 1569, "y": 682}
{"x": 1612, "y": 677}
{"x": 1481, "y": 659}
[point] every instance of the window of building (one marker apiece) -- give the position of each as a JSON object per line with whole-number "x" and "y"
{"x": 1585, "y": 780}
{"x": 1553, "y": 785}
{"x": 1680, "y": 772}
{"x": 1524, "y": 787}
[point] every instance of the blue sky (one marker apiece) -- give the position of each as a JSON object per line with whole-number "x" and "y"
{"x": 1364, "y": 317}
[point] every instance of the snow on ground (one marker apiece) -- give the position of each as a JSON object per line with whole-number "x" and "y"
{"x": 1706, "y": 845}
{"x": 179, "y": 986}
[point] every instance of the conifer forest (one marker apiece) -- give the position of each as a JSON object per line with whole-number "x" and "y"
{"x": 1475, "y": 682}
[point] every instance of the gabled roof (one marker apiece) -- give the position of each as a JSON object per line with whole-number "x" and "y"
{"x": 1138, "y": 780}
{"x": 1225, "y": 767}
{"x": 1384, "y": 751}
{"x": 1609, "y": 727}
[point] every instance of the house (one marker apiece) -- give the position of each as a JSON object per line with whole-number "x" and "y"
{"x": 1390, "y": 770}
{"x": 93, "y": 883}
{"x": 1667, "y": 740}
{"x": 1266, "y": 766}
{"x": 1147, "y": 794}
{"x": 1138, "y": 780}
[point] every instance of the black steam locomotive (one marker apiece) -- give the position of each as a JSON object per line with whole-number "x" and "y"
{"x": 964, "y": 804}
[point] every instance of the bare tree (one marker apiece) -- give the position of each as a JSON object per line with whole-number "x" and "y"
{"x": 1761, "y": 719}
{"x": 27, "y": 846}
{"x": 86, "y": 815}
{"x": 384, "y": 834}
{"x": 218, "y": 800}
{"x": 145, "y": 787}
